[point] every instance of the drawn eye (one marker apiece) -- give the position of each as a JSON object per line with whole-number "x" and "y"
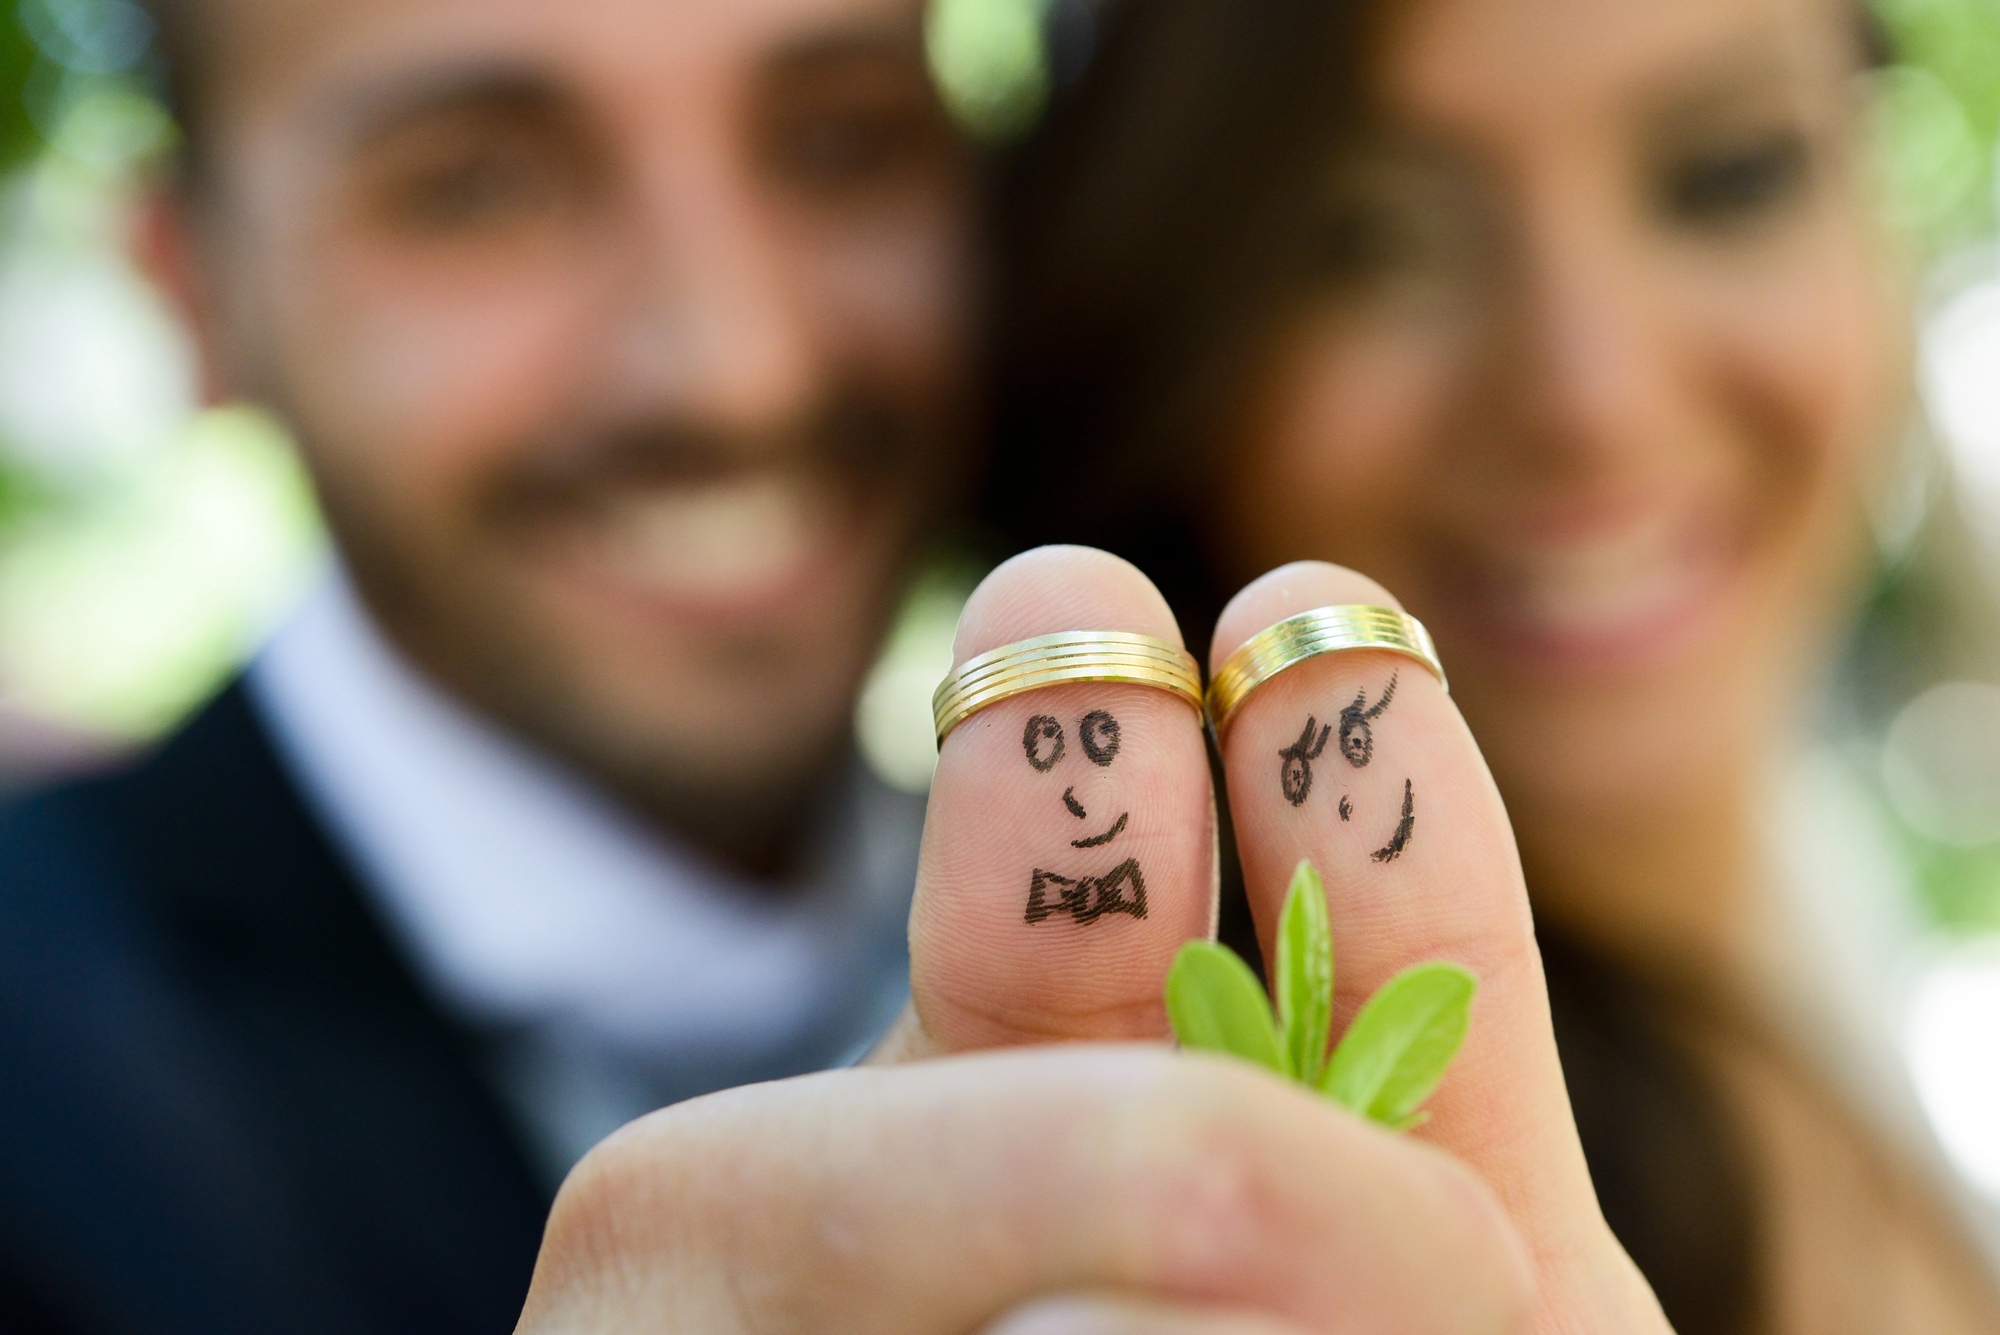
{"x": 1296, "y": 778}
{"x": 1099, "y": 735}
{"x": 1357, "y": 735}
{"x": 1357, "y": 740}
{"x": 1042, "y": 740}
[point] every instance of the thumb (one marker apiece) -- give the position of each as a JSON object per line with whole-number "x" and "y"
{"x": 1069, "y": 848}
{"x": 1403, "y": 821}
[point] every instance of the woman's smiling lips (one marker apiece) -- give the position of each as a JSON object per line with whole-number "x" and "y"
{"x": 1608, "y": 600}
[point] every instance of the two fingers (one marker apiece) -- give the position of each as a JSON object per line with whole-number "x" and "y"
{"x": 1026, "y": 928}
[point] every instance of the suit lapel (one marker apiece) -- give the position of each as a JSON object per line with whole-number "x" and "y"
{"x": 368, "y": 1107}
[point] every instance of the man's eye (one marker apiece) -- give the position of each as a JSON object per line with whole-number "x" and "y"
{"x": 478, "y": 191}
{"x": 1741, "y": 184}
{"x": 841, "y": 148}
{"x": 834, "y": 151}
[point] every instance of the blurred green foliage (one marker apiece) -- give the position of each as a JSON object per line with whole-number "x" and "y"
{"x": 1960, "y": 887}
{"x": 1941, "y": 104}
{"x": 21, "y": 493}
{"x": 991, "y": 62}
{"x": 19, "y": 139}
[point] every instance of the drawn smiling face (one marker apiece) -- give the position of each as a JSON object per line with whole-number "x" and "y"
{"x": 1099, "y": 737}
{"x": 1357, "y": 747}
{"x": 1122, "y": 890}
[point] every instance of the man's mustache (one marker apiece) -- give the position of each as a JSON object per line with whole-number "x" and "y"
{"x": 848, "y": 443}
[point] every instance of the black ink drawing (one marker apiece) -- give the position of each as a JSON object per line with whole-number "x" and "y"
{"x": 1041, "y": 728}
{"x": 1401, "y": 839}
{"x": 1099, "y": 841}
{"x": 1099, "y": 735}
{"x": 1096, "y": 841}
{"x": 1357, "y": 736}
{"x": 1295, "y": 774}
{"x": 1088, "y": 898}
{"x": 1346, "y": 808}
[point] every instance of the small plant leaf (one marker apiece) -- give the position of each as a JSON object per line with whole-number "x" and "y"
{"x": 1305, "y": 975}
{"x": 1217, "y": 1005}
{"x": 1398, "y": 1047}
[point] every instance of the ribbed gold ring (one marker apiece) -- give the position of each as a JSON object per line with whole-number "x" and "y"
{"x": 1053, "y": 660}
{"x": 1324, "y": 630}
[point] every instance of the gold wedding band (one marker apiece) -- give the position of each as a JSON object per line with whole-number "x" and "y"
{"x": 1325, "y": 630}
{"x": 1054, "y": 660}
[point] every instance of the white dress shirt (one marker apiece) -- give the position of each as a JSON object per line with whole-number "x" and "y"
{"x": 614, "y": 969}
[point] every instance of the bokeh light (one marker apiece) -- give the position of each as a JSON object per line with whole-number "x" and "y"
{"x": 991, "y": 63}
{"x": 1954, "y": 1050}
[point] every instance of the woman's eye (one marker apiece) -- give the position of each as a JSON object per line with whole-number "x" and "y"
{"x": 1740, "y": 184}
{"x": 1397, "y": 253}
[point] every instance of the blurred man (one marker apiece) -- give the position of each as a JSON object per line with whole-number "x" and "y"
{"x": 623, "y": 339}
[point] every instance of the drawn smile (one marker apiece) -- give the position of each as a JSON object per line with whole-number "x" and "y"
{"x": 1099, "y": 841}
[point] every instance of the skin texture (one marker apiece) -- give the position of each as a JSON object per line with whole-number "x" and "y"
{"x": 598, "y": 323}
{"x": 934, "y": 1198}
{"x": 1602, "y": 409}
{"x": 1113, "y": 1316}
{"x": 1455, "y": 892}
{"x": 1126, "y": 1182}
{"x": 989, "y": 978}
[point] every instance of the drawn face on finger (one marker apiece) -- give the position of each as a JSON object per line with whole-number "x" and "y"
{"x": 1098, "y": 735}
{"x": 1357, "y": 748}
{"x": 1045, "y": 743}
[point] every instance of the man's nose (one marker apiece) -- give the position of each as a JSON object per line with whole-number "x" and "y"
{"x": 716, "y": 324}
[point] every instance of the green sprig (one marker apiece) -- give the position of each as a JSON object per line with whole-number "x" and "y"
{"x": 1391, "y": 1057}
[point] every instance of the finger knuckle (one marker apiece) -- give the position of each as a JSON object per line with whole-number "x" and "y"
{"x": 1208, "y": 1176}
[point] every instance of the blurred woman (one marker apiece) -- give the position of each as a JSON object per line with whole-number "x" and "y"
{"x": 1571, "y": 322}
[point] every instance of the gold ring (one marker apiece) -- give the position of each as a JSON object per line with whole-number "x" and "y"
{"x": 1325, "y": 630}
{"x": 1053, "y": 660}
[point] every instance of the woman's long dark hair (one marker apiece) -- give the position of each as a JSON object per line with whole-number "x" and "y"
{"x": 1153, "y": 236}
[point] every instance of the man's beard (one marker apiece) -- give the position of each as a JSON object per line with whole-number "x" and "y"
{"x": 452, "y": 597}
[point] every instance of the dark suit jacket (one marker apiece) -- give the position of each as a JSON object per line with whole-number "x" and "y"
{"x": 225, "y": 1105}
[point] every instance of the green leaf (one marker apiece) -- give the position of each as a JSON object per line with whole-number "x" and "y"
{"x": 1217, "y": 1005}
{"x": 1305, "y": 975}
{"x": 1397, "y": 1049}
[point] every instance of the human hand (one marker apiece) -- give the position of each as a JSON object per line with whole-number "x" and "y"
{"x": 1142, "y": 1189}
{"x": 1400, "y": 815}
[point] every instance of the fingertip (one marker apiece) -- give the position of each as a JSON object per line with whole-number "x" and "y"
{"x": 1053, "y": 589}
{"x": 1288, "y": 591}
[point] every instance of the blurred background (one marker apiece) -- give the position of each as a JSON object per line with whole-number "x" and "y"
{"x": 147, "y": 544}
